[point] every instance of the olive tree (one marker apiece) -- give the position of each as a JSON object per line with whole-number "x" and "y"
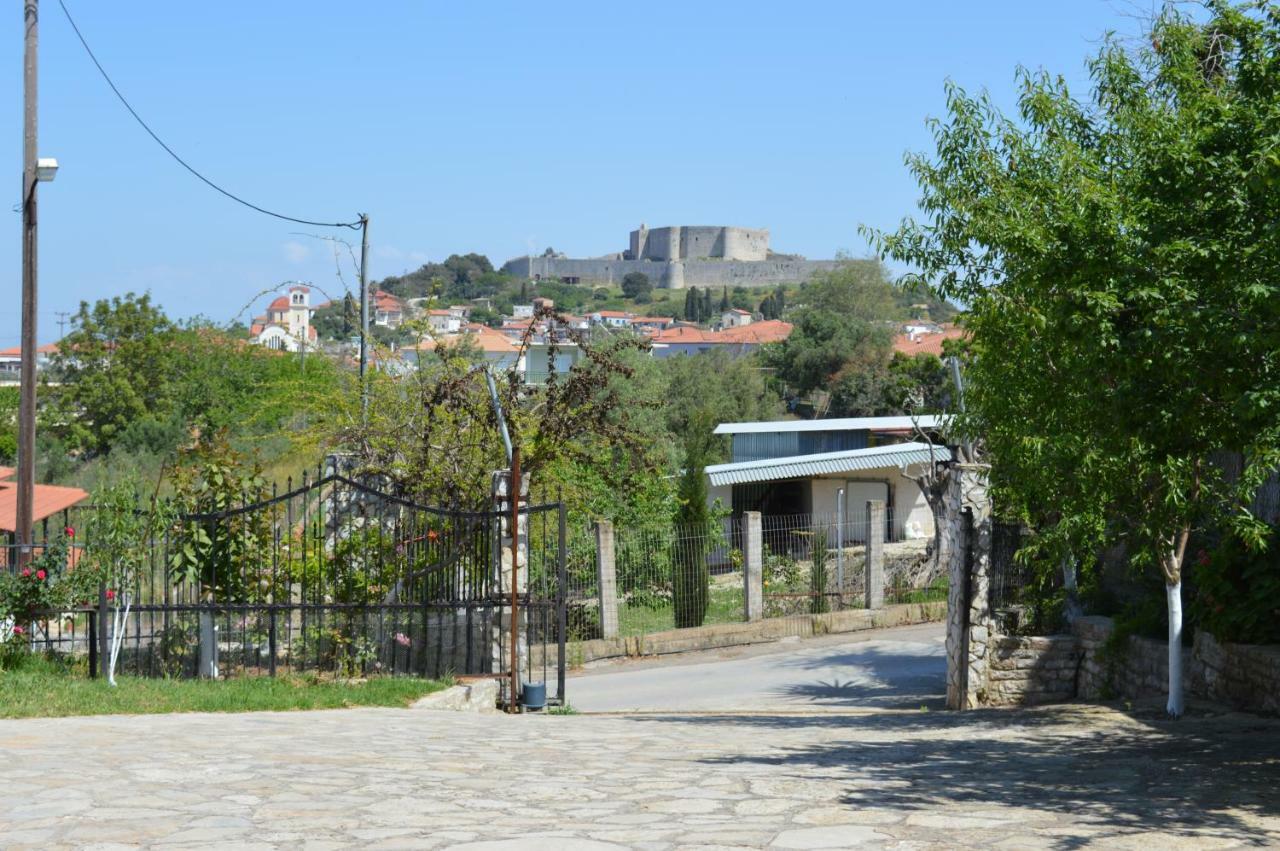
{"x": 1118, "y": 257}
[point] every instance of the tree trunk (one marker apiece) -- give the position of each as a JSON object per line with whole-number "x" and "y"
{"x": 1071, "y": 586}
{"x": 1171, "y": 565}
{"x": 1173, "y": 592}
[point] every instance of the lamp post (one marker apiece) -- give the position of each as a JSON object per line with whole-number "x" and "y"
{"x": 34, "y": 171}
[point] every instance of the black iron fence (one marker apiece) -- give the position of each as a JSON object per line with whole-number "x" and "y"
{"x": 330, "y": 573}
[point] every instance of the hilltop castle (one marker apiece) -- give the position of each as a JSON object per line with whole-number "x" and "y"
{"x": 678, "y": 257}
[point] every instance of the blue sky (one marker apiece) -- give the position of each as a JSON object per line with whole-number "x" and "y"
{"x": 491, "y": 127}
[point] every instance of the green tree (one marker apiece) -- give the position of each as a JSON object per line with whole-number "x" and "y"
{"x": 112, "y": 369}
{"x": 826, "y": 344}
{"x": 635, "y": 285}
{"x": 693, "y": 527}
{"x": 1118, "y": 258}
{"x": 725, "y": 304}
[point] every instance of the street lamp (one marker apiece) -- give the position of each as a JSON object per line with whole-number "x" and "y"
{"x": 46, "y": 169}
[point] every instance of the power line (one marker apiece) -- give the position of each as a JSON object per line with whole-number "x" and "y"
{"x": 353, "y": 225}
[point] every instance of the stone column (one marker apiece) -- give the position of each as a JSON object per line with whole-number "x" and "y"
{"x": 753, "y": 566}
{"x": 966, "y": 518}
{"x": 607, "y": 579}
{"x": 874, "y": 566}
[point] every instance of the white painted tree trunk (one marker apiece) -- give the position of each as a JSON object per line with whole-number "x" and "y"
{"x": 1173, "y": 593}
{"x": 119, "y": 619}
{"x": 1071, "y": 586}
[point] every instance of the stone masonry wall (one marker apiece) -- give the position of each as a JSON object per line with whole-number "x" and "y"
{"x": 1245, "y": 676}
{"x": 1030, "y": 670}
{"x": 696, "y": 273}
{"x": 1049, "y": 669}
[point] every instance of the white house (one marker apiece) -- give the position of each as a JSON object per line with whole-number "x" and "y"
{"x": 286, "y": 326}
{"x": 830, "y": 468}
{"x": 444, "y": 321}
{"x": 736, "y": 318}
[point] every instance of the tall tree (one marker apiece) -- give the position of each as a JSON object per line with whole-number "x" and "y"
{"x": 1118, "y": 259}
{"x": 693, "y": 527}
{"x": 112, "y": 369}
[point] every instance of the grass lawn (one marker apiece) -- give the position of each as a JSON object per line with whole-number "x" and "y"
{"x": 44, "y": 688}
{"x": 723, "y": 606}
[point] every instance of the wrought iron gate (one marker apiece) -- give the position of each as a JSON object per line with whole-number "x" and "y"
{"x": 335, "y": 574}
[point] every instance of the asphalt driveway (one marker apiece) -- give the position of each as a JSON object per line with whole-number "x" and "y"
{"x": 899, "y": 668}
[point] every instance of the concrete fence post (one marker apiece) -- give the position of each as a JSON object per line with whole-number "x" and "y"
{"x": 874, "y": 583}
{"x": 607, "y": 579}
{"x": 753, "y": 566}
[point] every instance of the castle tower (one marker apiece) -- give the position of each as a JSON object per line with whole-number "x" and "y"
{"x": 673, "y": 275}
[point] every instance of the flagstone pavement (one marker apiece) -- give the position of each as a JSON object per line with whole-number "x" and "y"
{"x": 1064, "y": 777}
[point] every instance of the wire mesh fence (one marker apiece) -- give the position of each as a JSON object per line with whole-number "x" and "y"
{"x": 664, "y": 576}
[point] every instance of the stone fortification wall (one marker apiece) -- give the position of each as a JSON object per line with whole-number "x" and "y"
{"x": 690, "y": 273}
{"x": 698, "y": 242}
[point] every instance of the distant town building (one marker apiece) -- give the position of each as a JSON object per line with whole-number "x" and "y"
{"x": 735, "y": 318}
{"x": 387, "y": 310}
{"x": 11, "y": 361}
{"x": 925, "y": 338}
{"x": 286, "y": 326}
{"x": 680, "y": 256}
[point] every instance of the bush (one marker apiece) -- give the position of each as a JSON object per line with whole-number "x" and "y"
{"x": 636, "y": 285}
{"x": 1238, "y": 597}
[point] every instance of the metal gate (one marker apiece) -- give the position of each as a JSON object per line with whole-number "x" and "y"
{"x": 336, "y": 574}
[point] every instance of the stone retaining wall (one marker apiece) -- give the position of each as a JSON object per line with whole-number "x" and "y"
{"x": 1246, "y": 676}
{"x": 1030, "y": 670}
{"x": 1051, "y": 669}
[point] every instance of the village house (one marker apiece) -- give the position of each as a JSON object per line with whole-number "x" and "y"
{"x": 741, "y": 340}
{"x": 736, "y": 318}
{"x": 444, "y": 321}
{"x": 387, "y": 310}
{"x": 925, "y": 338}
{"x": 829, "y": 468}
{"x": 11, "y": 361}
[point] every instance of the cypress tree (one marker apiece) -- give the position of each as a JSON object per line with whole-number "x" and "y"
{"x": 691, "y": 582}
{"x": 724, "y": 300}
{"x": 706, "y": 304}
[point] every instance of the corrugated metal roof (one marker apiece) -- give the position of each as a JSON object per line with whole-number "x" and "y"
{"x": 847, "y": 424}
{"x": 825, "y": 464}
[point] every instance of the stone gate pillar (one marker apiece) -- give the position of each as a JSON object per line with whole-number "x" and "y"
{"x": 966, "y": 519}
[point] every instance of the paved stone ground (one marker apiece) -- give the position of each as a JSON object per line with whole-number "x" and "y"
{"x": 1065, "y": 777}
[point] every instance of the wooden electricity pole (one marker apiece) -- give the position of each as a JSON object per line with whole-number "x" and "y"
{"x": 27, "y": 375}
{"x": 364, "y": 316}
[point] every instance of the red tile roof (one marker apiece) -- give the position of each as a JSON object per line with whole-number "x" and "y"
{"x": 758, "y": 333}
{"x": 281, "y": 303}
{"x": 926, "y": 344}
{"x": 684, "y": 334}
{"x": 16, "y": 351}
{"x": 49, "y": 500}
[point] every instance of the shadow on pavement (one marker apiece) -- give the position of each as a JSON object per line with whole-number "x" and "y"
{"x": 880, "y": 679}
{"x": 1198, "y": 777}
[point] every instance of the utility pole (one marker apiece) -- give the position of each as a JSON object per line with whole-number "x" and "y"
{"x": 27, "y": 375}
{"x": 62, "y": 322}
{"x": 364, "y": 316}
